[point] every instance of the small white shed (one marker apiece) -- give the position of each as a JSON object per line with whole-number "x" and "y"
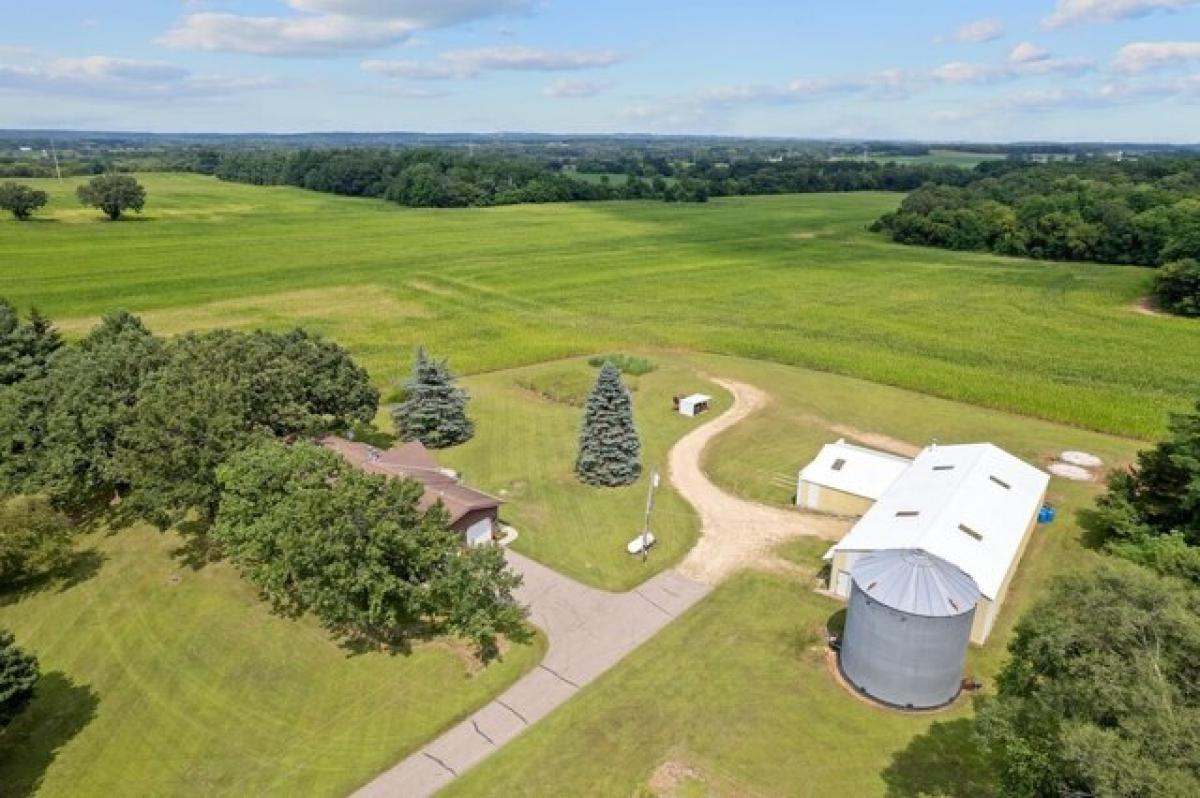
{"x": 694, "y": 405}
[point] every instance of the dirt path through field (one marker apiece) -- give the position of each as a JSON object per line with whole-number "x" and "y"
{"x": 735, "y": 533}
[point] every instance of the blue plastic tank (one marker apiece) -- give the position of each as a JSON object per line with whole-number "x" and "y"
{"x": 1046, "y": 514}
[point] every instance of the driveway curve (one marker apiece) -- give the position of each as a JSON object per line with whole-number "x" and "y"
{"x": 735, "y": 533}
{"x": 590, "y": 630}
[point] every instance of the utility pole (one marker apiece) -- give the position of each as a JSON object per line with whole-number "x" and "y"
{"x": 649, "y": 509}
{"x": 57, "y": 168}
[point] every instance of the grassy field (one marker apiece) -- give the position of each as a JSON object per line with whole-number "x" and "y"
{"x": 791, "y": 279}
{"x": 525, "y": 453}
{"x": 737, "y": 692}
{"x": 164, "y": 680}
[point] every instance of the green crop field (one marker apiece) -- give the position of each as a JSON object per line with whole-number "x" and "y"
{"x": 792, "y": 279}
{"x": 737, "y": 696}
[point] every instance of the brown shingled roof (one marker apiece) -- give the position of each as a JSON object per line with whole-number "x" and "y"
{"x": 413, "y": 460}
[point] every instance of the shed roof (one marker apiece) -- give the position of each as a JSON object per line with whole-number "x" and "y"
{"x": 854, "y": 469}
{"x": 695, "y": 398}
{"x": 413, "y": 460}
{"x": 968, "y": 504}
{"x": 915, "y": 582}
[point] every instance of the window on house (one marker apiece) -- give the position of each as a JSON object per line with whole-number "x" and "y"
{"x": 837, "y": 464}
{"x": 969, "y": 531}
{"x": 1000, "y": 482}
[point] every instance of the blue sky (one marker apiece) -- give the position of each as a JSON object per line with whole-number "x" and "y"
{"x": 932, "y": 69}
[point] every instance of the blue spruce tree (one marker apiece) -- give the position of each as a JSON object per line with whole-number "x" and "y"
{"x": 434, "y": 410}
{"x": 609, "y": 448}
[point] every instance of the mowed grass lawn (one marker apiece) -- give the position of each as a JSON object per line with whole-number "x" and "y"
{"x": 737, "y": 691}
{"x": 528, "y": 423}
{"x": 791, "y": 279}
{"x": 163, "y": 680}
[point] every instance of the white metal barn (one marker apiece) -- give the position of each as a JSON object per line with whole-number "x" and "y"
{"x": 973, "y": 505}
{"x": 845, "y": 479}
{"x": 694, "y": 404}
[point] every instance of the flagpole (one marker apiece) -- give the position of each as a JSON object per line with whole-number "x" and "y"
{"x": 649, "y": 509}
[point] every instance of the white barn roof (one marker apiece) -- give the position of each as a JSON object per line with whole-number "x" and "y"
{"x": 969, "y": 505}
{"x": 855, "y": 469}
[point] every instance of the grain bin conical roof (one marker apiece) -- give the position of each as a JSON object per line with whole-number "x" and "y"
{"x": 915, "y": 582}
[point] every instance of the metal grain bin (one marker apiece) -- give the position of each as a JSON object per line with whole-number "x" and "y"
{"x": 907, "y": 628}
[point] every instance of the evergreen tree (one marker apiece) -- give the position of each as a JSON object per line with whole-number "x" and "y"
{"x": 609, "y": 448}
{"x": 434, "y": 411}
{"x": 18, "y": 675}
{"x": 25, "y": 348}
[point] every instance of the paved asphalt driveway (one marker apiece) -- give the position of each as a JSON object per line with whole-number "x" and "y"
{"x": 589, "y": 631}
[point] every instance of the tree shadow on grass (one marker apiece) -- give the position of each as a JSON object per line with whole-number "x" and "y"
{"x": 947, "y": 760}
{"x": 836, "y": 624}
{"x": 82, "y": 566}
{"x": 59, "y": 711}
{"x": 197, "y": 549}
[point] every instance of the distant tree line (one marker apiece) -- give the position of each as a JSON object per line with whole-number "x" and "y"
{"x": 1144, "y": 212}
{"x": 448, "y": 179}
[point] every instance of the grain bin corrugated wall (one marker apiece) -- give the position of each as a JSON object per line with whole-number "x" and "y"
{"x": 907, "y": 628}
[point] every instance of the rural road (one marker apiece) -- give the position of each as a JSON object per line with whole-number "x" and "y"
{"x": 590, "y": 630}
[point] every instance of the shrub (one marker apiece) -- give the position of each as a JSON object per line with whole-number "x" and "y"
{"x": 1177, "y": 287}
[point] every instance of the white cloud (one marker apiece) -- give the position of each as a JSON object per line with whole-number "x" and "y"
{"x": 1027, "y": 52}
{"x": 462, "y": 64}
{"x": 325, "y": 28}
{"x": 981, "y": 30}
{"x": 1143, "y": 56}
{"x": 108, "y": 77}
{"x": 574, "y": 88}
{"x": 1035, "y": 63}
{"x": 1074, "y": 12}
{"x": 285, "y": 36}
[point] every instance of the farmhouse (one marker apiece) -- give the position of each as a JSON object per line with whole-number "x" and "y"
{"x": 474, "y": 514}
{"x": 973, "y": 506}
{"x": 845, "y": 479}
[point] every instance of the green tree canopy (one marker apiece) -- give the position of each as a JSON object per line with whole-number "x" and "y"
{"x": 219, "y": 392}
{"x": 1177, "y": 287}
{"x": 317, "y": 535}
{"x": 609, "y": 447}
{"x": 18, "y": 677}
{"x": 1101, "y": 691}
{"x": 1151, "y": 513}
{"x": 114, "y": 194}
{"x": 34, "y": 540}
{"x": 434, "y": 410}
{"x": 21, "y": 200}
{"x": 25, "y": 347}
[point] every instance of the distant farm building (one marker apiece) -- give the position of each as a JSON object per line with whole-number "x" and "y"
{"x": 473, "y": 514}
{"x": 973, "y": 506}
{"x": 845, "y": 479}
{"x": 693, "y": 405}
{"x": 907, "y": 627}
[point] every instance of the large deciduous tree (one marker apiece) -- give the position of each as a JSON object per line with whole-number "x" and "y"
{"x": 18, "y": 678}
{"x": 218, "y": 393}
{"x": 434, "y": 409}
{"x": 21, "y": 200}
{"x": 316, "y": 535}
{"x": 25, "y": 347}
{"x": 1101, "y": 691}
{"x": 609, "y": 447}
{"x": 113, "y": 194}
{"x": 1151, "y": 513}
{"x": 34, "y": 540}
